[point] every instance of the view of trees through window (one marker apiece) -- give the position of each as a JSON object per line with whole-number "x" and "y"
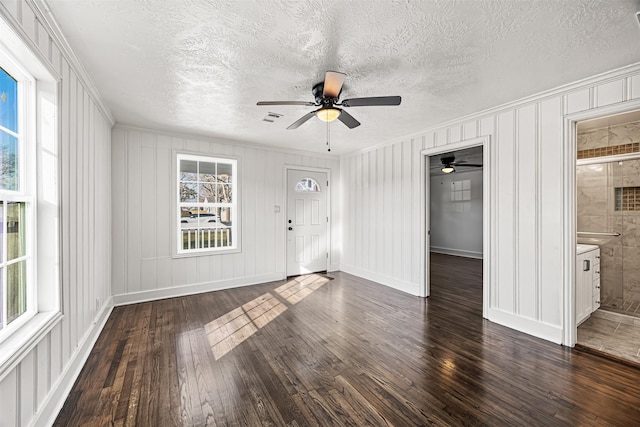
{"x": 206, "y": 200}
{"x": 13, "y": 250}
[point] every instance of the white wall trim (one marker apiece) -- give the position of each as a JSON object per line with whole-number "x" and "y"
{"x": 599, "y": 79}
{"x": 570, "y": 330}
{"x": 533, "y": 327}
{"x": 218, "y": 140}
{"x": 487, "y": 209}
{"x": 194, "y": 289}
{"x": 60, "y": 390}
{"x": 456, "y": 252}
{"x": 392, "y": 282}
{"x": 45, "y": 16}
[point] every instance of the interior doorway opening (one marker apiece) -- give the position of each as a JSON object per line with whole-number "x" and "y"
{"x": 457, "y": 186}
{"x": 455, "y": 249}
{"x": 607, "y": 278}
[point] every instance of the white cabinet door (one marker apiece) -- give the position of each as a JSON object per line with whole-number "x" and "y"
{"x": 580, "y": 309}
{"x": 584, "y": 285}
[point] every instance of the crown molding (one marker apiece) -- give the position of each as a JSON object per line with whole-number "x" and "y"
{"x": 218, "y": 140}
{"x": 45, "y": 16}
{"x": 598, "y": 79}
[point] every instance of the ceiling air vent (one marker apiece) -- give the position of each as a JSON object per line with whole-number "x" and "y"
{"x": 271, "y": 117}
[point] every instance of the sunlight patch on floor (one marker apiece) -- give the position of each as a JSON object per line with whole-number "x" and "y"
{"x": 301, "y": 287}
{"x": 231, "y": 329}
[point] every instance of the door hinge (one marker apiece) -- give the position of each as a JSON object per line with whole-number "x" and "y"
{"x": 327, "y": 183}
{"x": 327, "y": 255}
{"x": 327, "y": 219}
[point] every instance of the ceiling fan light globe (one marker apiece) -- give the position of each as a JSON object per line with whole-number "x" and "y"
{"x": 328, "y": 114}
{"x": 448, "y": 169}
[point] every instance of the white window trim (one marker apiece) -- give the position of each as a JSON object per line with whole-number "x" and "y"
{"x": 178, "y": 252}
{"x": 40, "y": 137}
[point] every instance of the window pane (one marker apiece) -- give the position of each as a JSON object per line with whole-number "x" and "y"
{"x": 189, "y": 217}
{"x": 16, "y": 290}
{"x": 307, "y": 185}
{"x": 225, "y": 172}
{"x": 188, "y": 170}
{"x": 188, "y": 192}
{"x": 207, "y": 172}
{"x": 225, "y": 194}
{"x": 9, "y": 161}
{"x": 207, "y": 192}
{"x": 1, "y": 301}
{"x": 8, "y": 102}
{"x": 1, "y": 238}
{"x": 15, "y": 230}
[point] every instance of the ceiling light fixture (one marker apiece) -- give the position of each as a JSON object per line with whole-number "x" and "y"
{"x": 328, "y": 114}
{"x": 447, "y": 168}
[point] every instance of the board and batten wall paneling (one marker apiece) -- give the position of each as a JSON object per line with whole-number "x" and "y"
{"x": 526, "y": 197}
{"x": 35, "y": 389}
{"x": 143, "y": 203}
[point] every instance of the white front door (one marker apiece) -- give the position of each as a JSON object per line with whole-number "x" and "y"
{"x": 307, "y": 222}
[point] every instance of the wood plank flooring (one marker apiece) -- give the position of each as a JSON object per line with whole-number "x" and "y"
{"x": 318, "y": 352}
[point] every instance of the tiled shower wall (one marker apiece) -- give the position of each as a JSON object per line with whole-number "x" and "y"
{"x": 598, "y": 212}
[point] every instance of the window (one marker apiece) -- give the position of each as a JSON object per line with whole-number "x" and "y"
{"x": 460, "y": 190}
{"x": 308, "y": 185}
{"x": 207, "y": 204}
{"x": 29, "y": 204}
{"x": 16, "y": 221}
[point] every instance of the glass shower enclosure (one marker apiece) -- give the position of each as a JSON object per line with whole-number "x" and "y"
{"x": 608, "y": 215}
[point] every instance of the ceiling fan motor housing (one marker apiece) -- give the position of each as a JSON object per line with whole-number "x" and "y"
{"x": 318, "y": 90}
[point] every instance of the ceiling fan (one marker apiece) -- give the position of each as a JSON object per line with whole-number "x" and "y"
{"x": 449, "y": 161}
{"x": 327, "y": 94}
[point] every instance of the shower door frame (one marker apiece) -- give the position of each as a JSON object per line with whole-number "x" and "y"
{"x": 570, "y": 329}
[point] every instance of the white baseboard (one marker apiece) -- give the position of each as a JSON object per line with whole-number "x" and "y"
{"x": 197, "y": 288}
{"x": 533, "y": 327}
{"x": 456, "y": 252}
{"x": 401, "y": 285}
{"x": 59, "y": 392}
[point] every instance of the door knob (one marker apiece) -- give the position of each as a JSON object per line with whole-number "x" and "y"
{"x": 290, "y": 228}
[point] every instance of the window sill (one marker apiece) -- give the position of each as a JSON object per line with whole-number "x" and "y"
{"x": 206, "y": 253}
{"x": 22, "y": 341}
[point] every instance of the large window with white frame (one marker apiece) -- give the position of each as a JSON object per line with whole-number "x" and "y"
{"x": 207, "y": 208}
{"x": 16, "y": 202}
{"x": 29, "y": 204}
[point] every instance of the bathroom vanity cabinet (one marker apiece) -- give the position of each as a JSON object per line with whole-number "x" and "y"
{"x": 587, "y": 281}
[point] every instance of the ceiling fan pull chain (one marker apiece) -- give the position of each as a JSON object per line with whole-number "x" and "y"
{"x": 328, "y": 137}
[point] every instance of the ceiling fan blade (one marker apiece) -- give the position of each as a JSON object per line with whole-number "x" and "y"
{"x": 348, "y": 119}
{"x": 301, "y": 120}
{"x": 306, "y": 104}
{"x": 371, "y": 101}
{"x": 333, "y": 82}
{"x": 471, "y": 165}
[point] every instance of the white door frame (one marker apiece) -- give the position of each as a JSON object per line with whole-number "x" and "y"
{"x": 487, "y": 191}
{"x": 570, "y": 330}
{"x": 287, "y": 168}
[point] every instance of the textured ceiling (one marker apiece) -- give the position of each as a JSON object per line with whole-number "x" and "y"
{"x": 200, "y": 66}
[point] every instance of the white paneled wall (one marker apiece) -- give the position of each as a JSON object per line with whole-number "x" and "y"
{"x": 382, "y": 201}
{"x": 143, "y": 201}
{"x": 34, "y": 390}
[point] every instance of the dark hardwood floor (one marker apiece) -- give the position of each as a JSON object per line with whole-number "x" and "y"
{"x": 341, "y": 352}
